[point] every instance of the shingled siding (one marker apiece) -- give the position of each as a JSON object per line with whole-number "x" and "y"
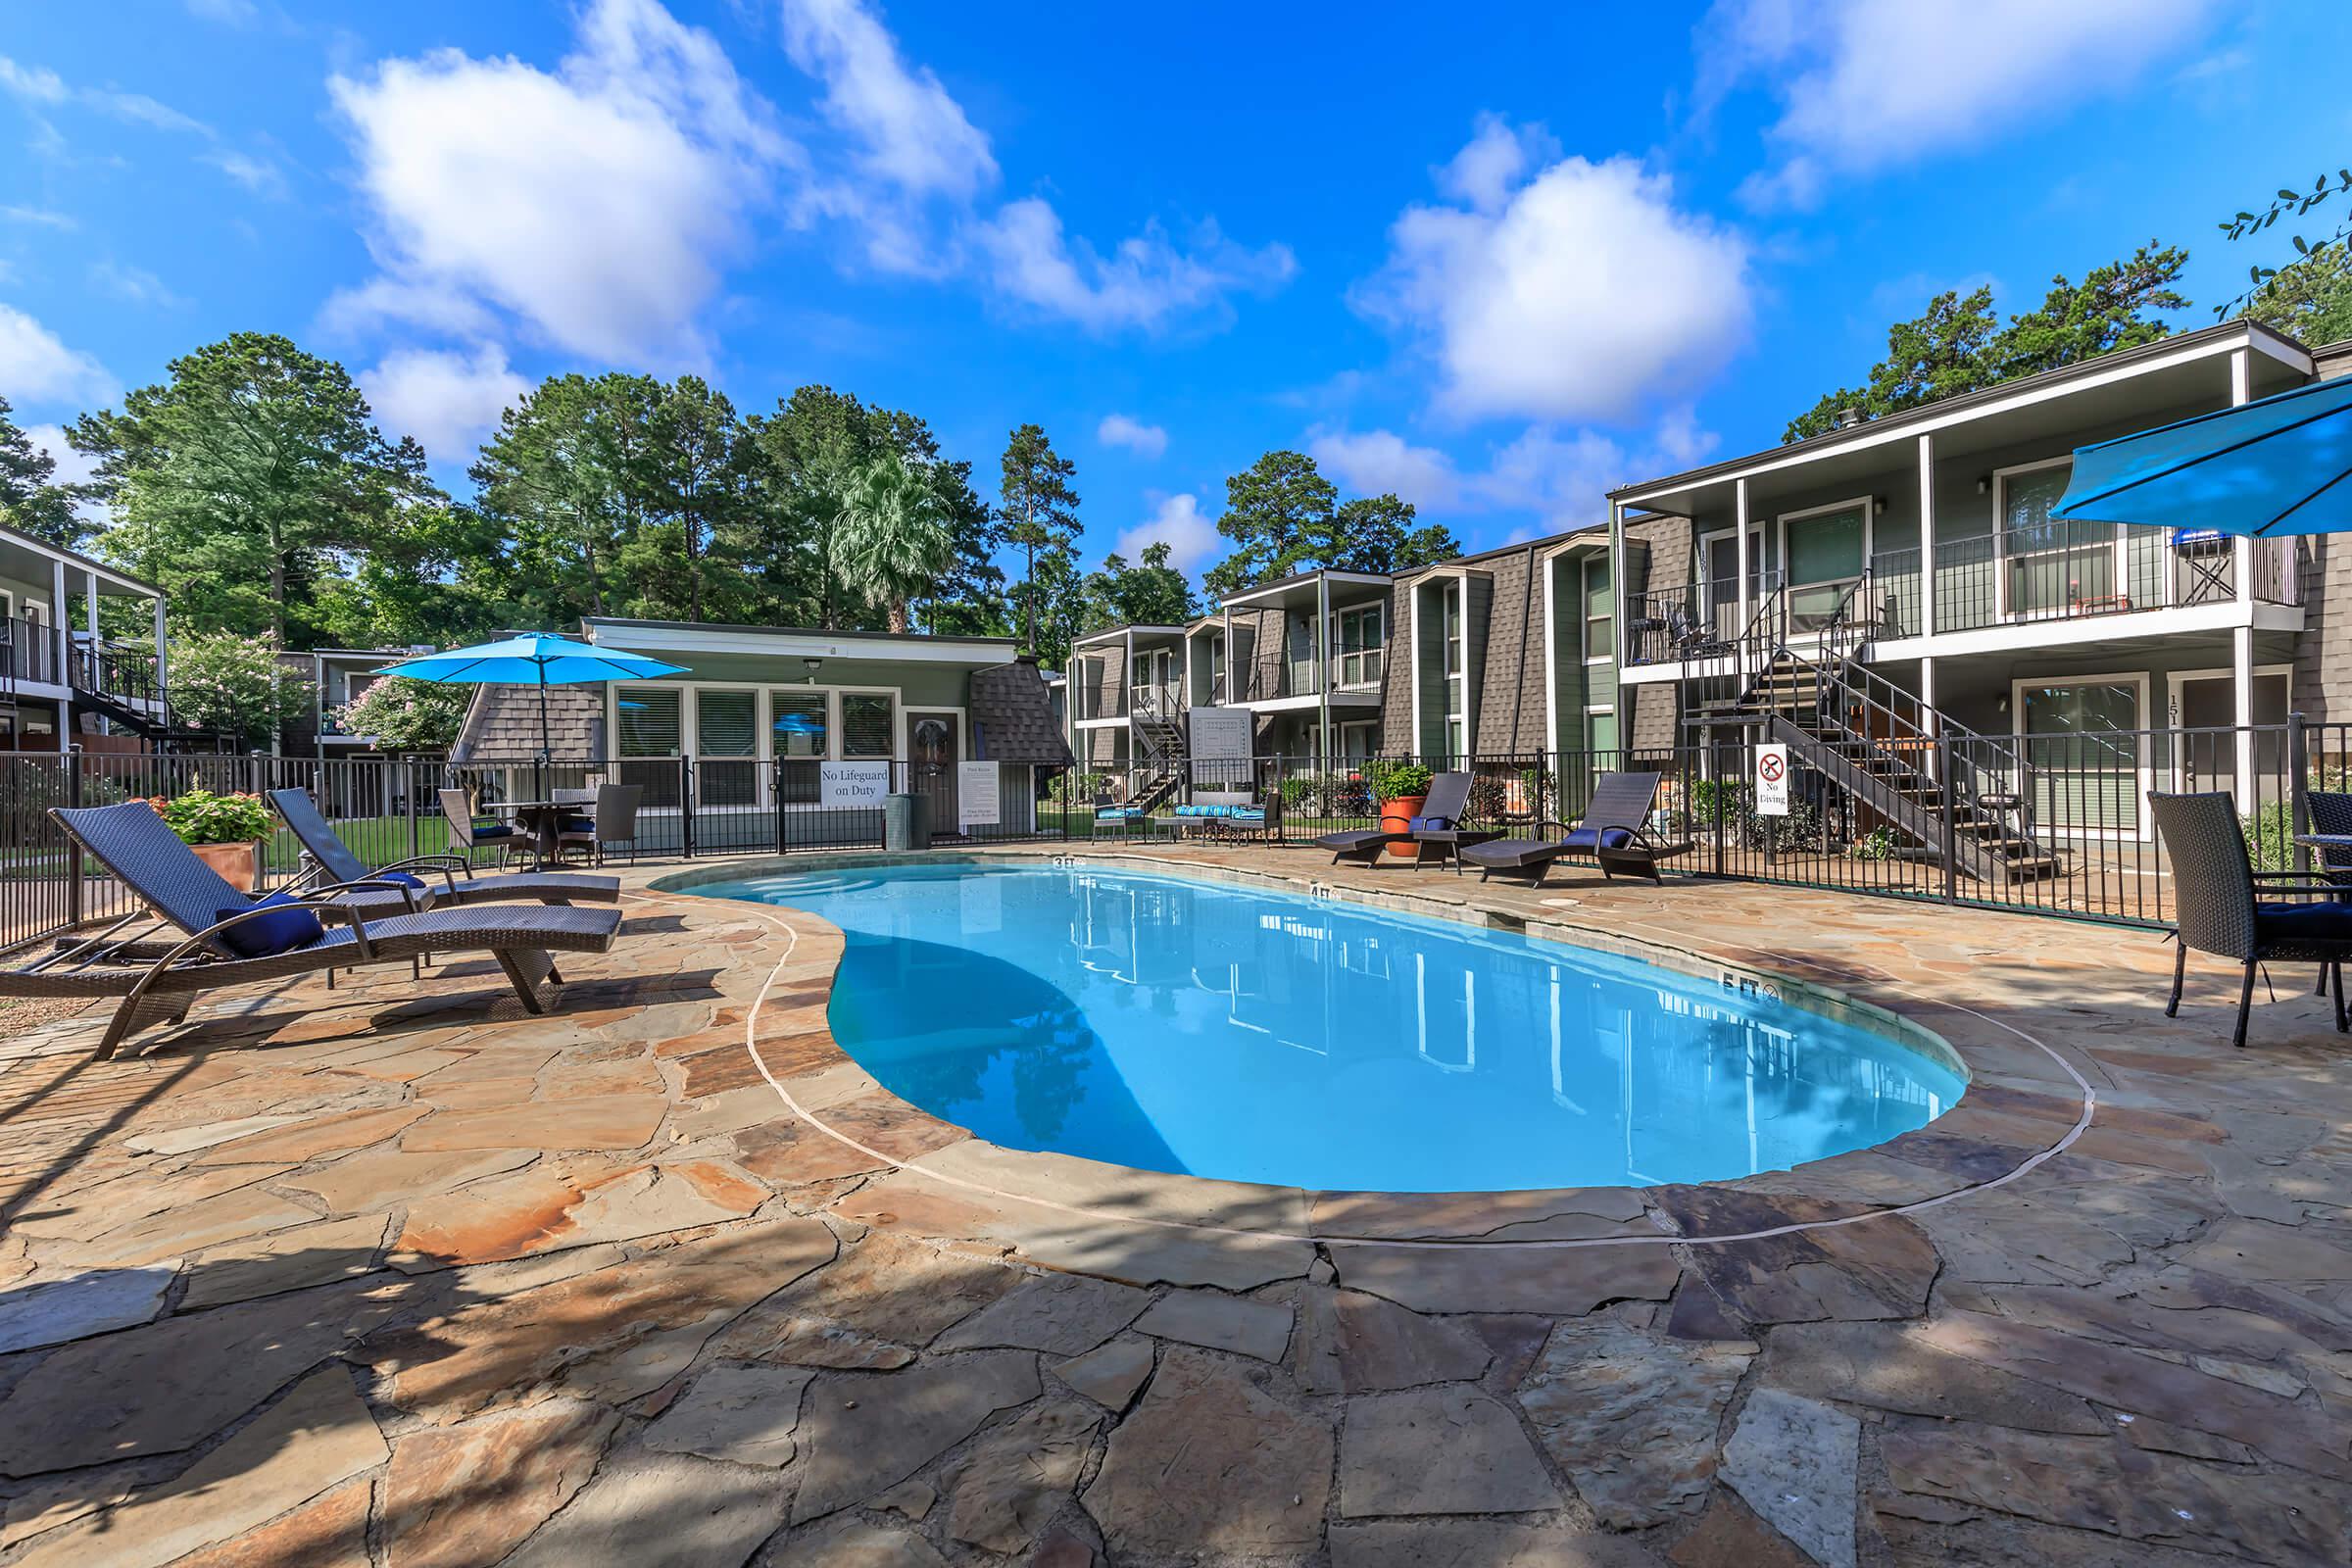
{"x": 2322, "y": 679}
{"x": 503, "y": 724}
{"x": 1510, "y": 704}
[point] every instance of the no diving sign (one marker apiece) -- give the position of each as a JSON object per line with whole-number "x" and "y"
{"x": 1771, "y": 781}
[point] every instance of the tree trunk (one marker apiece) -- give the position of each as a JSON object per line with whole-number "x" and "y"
{"x": 898, "y": 614}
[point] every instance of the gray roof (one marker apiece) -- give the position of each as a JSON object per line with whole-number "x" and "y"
{"x": 1012, "y": 718}
{"x": 503, "y": 724}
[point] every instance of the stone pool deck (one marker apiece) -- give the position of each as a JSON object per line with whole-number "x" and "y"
{"x": 396, "y": 1275}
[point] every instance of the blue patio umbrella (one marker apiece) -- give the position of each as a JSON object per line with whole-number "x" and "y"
{"x": 2279, "y": 465}
{"x": 533, "y": 659}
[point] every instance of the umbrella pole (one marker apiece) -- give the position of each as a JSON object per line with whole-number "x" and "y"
{"x": 546, "y": 745}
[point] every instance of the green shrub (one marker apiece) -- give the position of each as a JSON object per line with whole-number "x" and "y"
{"x": 199, "y": 816}
{"x": 1878, "y": 843}
{"x": 1395, "y": 779}
{"x": 2270, "y": 837}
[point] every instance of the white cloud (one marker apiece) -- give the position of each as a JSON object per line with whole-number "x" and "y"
{"x": 33, "y": 84}
{"x": 42, "y": 217}
{"x": 1146, "y": 283}
{"x": 37, "y": 84}
{"x": 1484, "y": 174}
{"x": 911, "y": 132}
{"x": 234, "y": 13}
{"x": 1866, "y": 85}
{"x": 257, "y": 175}
{"x": 37, "y": 367}
{"x": 594, "y": 204}
{"x": 1578, "y": 292}
{"x": 1121, "y": 431}
{"x": 1179, "y": 523}
{"x": 134, "y": 284}
{"x": 915, "y": 177}
{"x": 73, "y": 467}
{"x": 448, "y": 401}
{"x": 1562, "y": 478}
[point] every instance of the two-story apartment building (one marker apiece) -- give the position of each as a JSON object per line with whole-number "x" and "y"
{"x": 1508, "y": 652}
{"x": 63, "y": 680}
{"x": 335, "y": 677}
{"x": 1918, "y": 554}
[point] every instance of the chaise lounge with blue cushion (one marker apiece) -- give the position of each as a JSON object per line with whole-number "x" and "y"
{"x": 1614, "y": 831}
{"x": 229, "y": 938}
{"x": 446, "y": 878}
{"x": 1441, "y": 810}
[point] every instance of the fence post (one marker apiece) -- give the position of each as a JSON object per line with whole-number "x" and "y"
{"x": 686, "y": 806}
{"x": 1947, "y": 830}
{"x": 775, "y": 783}
{"x": 74, "y": 888}
{"x": 416, "y": 828}
{"x": 2298, "y": 788}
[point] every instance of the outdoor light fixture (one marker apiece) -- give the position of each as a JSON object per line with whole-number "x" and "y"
{"x": 812, "y": 665}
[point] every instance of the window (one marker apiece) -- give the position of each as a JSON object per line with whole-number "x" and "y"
{"x": 801, "y": 725}
{"x": 726, "y": 743}
{"x": 1363, "y": 634}
{"x": 1824, "y": 552}
{"x": 1600, "y": 611}
{"x": 868, "y": 724}
{"x": 2074, "y": 736}
{"x": 648, "y": 722}
{"x": 1600, "y": 729}
{"x": 2050, "y": 567}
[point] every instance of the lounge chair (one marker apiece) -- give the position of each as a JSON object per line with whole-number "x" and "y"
{"x": 1441, "y": 810}
{"x": 229, "y": 938}
{"x": 432, "y": 879}
{"x": 1613, "y": 831}
{"x": 2223, "y": 905}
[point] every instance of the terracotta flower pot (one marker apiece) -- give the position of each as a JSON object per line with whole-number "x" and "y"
{"x": 1396, "y": 817}
{"x": 240, "y": 863}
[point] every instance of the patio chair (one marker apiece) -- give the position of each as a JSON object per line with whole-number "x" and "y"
{"x": 610, "y": 821}
{"x": 1613, "y": 831}
{"x": 467, "y": 833}
{"x": 2220, "y": 906}
{"x": 229, "y": 938}
{"x": 336, "y": 862}
{"x": 1441, "y": 810}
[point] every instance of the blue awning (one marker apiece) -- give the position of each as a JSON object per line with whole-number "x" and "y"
{"x": 2279, "y": 465}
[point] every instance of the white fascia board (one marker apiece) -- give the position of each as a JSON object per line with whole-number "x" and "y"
{"x": 802, "y": 645}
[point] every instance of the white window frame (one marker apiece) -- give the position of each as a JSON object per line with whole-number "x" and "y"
{"x": 897, "y": 724}
{"x": 1584, "y": 602}
{"x": 2142, "y": 830}
{"x": 1594, "y": 711}
{"x": 2003, "y": 612}
{"x": 2173, "y": 682}
{"x": 1870, "y": 530}
{"x": 1375, "y": 652}
{"x": 612, "y": 715}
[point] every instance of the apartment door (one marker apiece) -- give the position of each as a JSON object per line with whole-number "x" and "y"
{"x": 2204, "y": 712}
{"x": 1719, "y": 578}
{"x": 1824, "y": 552}
{"x": 934, "y": 745}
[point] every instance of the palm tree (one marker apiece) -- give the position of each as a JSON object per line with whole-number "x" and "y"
{"x": 892, "y": 542}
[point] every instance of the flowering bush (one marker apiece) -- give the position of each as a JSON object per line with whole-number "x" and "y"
{"x": 238, "y": 685}
{"x": 408, "y": 715}
{"x": 201, "y": 817}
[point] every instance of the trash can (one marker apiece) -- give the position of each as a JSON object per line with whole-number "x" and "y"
{"x": 906, "y": 822}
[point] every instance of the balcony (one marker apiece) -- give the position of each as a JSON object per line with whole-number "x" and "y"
{"x": 1981, "y": 581}
{"x": 27, "y": 651}
{"x": 1355, "y": 673}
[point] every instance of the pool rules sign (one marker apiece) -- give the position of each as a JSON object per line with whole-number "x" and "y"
{"x": 1772, "y": 780}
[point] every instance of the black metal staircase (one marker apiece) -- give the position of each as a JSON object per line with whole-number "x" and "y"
{"x": 1163, "y": 752}
{"x": 1958, "y": 798}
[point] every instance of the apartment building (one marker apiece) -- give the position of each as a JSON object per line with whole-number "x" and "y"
{"x": 66, "y": 679}
{"x": 1915, "y": 559}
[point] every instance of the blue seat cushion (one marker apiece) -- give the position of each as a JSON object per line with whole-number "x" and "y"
{"x": 1590, "y": 839}
{"x": 288, "y": 927}
{"x": 1198, "y": 810}
{"x": 493, "y": 830}
{"x": 2326, "y": 920}
{"x": 1116, "y": 813}
{"x": 1428, "y": 824}
{"x": 576, "y": 824}
{"x": 401, "y": 877}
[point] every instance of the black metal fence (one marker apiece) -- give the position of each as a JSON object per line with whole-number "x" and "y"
{"x": 389, "y": 809}
{"x": 2049, "y": 824}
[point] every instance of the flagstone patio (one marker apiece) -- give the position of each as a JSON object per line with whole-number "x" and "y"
{"x": 396, "y": 1275}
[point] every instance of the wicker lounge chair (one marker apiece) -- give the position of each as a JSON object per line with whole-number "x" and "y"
{"x": 431, "y": 879}
{"x": 2219, "y": 903}
{"x": 159, "y": 978}
{"x": 1441, "y": 810}
{"x": 1613, "y": 831}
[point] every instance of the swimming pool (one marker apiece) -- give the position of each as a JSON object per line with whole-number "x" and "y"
{"x": 1210, "y": 1029}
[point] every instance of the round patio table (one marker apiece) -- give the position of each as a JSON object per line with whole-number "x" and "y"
{"x": 542, "y": 820}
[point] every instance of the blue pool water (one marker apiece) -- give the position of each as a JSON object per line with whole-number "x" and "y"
{"x": 1214, "y": 1030}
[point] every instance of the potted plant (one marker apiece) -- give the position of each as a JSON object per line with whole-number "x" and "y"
{"x": 225, "y": 830}
{"x": 1401, "y": 788}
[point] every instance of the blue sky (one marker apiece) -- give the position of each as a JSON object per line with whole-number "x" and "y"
{"x": 1495, "y": 267}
